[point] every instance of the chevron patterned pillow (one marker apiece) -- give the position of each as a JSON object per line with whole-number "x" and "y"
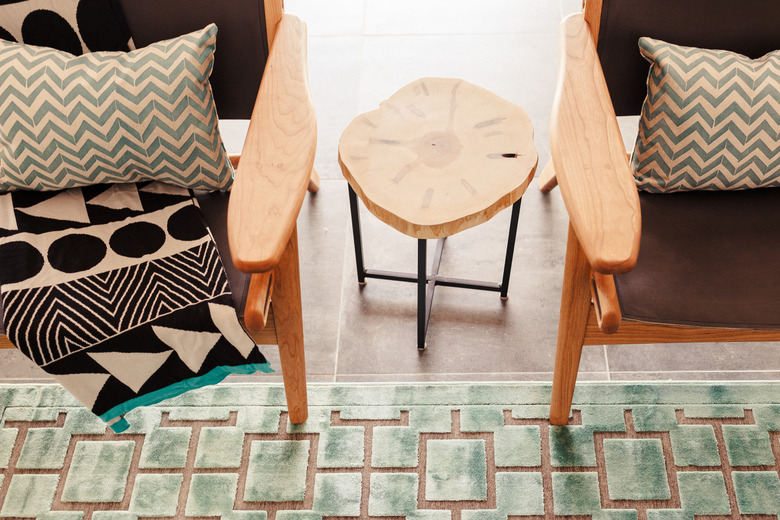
{"x": 111, "y": 117}
{"x": 711, "y": 120}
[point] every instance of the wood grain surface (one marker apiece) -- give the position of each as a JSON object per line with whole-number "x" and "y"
{"x": 277, "y": 158}
{"x": 590, "y": 158}
{"x": 440, "y": 156}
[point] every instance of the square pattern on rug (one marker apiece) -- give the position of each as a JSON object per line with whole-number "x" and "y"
{"x": 418, "y": 451}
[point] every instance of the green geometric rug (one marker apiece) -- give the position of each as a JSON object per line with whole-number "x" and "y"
{"x": 661, "y": 451}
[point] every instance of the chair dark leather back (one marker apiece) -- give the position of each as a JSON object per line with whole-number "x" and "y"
{"x": 239, "y": 61}
{"x": 242, "y": 45}
{"x": 749, "y": 27}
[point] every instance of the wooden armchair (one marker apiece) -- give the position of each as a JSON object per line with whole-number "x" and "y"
{"x": 254, "y": 225}
{"x": 644, "y": 268}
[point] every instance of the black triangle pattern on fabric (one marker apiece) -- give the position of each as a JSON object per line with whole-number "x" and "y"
{"x": 155, "y": 200}
{"x": 32, "y": 224}
{"x": 112, "y": 393}
{"x": 101, "y": 214}
{"x": 25, "y": 201}
{"x": 78, "y": 363}
{"x": 142, "y": 340}
{"x": 197, "y": 319}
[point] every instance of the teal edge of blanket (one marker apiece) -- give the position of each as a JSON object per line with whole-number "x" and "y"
{"x": 120, "y": 424}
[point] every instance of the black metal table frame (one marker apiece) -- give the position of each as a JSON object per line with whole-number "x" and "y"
{"x": 427, "y": 282}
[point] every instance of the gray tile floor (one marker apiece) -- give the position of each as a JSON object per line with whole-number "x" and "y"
{"x": 360, "y": 52}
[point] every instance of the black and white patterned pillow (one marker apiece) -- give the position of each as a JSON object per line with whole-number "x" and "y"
{"x": 118, "y": 291}
{"x": 74, "y": 26}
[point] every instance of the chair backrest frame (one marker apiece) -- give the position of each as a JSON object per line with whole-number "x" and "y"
{"x": 749, "y": 27}
{"x": 245, "y": 31}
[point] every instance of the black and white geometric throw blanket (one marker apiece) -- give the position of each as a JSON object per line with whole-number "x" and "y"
{"x": 118, "y": 292}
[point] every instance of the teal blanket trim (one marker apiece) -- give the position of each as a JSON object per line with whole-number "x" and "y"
{"x": 116, "y": 421}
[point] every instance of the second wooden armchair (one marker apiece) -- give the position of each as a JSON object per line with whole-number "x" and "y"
{"x": 648, "y": 268}
{"x": 257, "y": 41}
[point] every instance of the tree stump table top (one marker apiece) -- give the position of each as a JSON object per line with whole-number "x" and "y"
{"x": 438, "y": 157}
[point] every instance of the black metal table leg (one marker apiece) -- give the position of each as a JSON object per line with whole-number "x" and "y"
{"x": 422, "y": 284}
{"x": 356, "y": 236}
{"x": 433, "y": 281}
{"x": 427, "y": 282}
{"x": 426, "y": 286}
{"x": 510, "y": 248}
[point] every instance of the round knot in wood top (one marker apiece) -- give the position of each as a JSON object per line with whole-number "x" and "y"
{"x": 438, "y": 149}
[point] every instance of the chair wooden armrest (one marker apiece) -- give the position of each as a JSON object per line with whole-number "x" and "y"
{"x": 277, "y": 158}
{"x": 271, "y": 181}
{"x": 589, "y": 156}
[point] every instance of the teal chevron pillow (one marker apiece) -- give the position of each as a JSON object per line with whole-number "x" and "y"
{"x": 111, "y": 117}
{"x": 711, "y": 120}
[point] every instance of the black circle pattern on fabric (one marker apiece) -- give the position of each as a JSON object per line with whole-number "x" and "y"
{"x": 5, "y": 35}
{"x": 180, "y": 224}
{"x": 137, "y": 239}
{"x": 99, "y": 24}
{"x": 76, "y": 252}
{"x": 49, "y": 29}
{"x": 24, "y": 261}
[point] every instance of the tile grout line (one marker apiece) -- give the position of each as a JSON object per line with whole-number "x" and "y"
{"x": 344, "y": 277}
{"x": 547, "y": 372}
{"x": 606, "y": 362}
{"x": 549, "y": 375}
{"x": 365, "y": 18}
{"x": 349, "y": 228}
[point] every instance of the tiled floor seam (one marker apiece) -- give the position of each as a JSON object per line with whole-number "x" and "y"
{"x": 344, "y": 271}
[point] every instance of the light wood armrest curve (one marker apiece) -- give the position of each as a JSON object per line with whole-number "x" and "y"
{"x": 277, "y": 158}
{"x": 606, "y": 302}
{"x": 590, "y": 158}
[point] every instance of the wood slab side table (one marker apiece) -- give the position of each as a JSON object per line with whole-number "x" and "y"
{"x": 438, "y": 157}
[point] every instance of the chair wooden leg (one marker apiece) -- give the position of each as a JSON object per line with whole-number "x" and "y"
{"x": 288, "y": 319}
{"x": 575, "y": 306}
{"x": 314, "y": 181}
{"x": 547, "y": 179}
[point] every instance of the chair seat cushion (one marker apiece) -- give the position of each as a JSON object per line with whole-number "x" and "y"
{"x": 707, "y": 259}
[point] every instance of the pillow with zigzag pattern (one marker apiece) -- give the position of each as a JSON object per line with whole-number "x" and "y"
{"x": 710, "y": 121}
{"x": 111, "y": 117}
